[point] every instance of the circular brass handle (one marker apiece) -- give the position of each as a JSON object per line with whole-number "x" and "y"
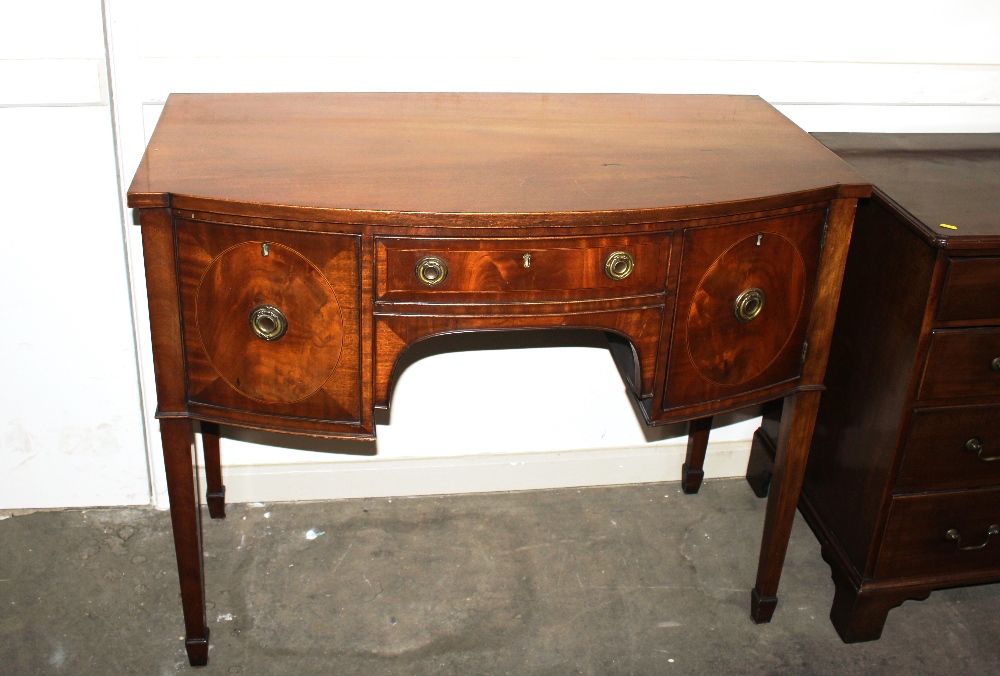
{"x": 268, "y": 322}
{"x": 619, "y": 265}
{"x": 995, "y": 364}
{"x": 748, "y": 305}
{"x": 431, "y": 270}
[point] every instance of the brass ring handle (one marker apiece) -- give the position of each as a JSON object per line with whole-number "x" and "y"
{"x": 619, "y": 265}
{"x": 748, "y": 305}
{"x": 431, "y": 270}
{"x": 952, "y": 535}
{"x": 268, "y": 322}
{"x": 995, "y": 364}
{"x": 974, "y": 445}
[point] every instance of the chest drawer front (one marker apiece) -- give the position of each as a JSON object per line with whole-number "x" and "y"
{"x": 952, "y": 448}
{"x": 962, "y": 363}
{"x": 515, "y": 270}
{"x": 941, "y": 534}
{"x": 971, "y": 290}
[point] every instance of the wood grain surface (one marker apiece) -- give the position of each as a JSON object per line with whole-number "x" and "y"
{"x": 481, "y": 153}
{"x": 715, "y": 355}
{"x": 496, "y": 270}
{"x": 523, "y": 197}
{"x": 933, "y": 179}
{"x": 959, "y": 364}
{"x": 937, "y": 456}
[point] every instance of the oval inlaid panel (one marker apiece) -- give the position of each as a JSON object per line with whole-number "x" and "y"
{"x": 299, "y": 362}
{"x": 724, "y": 349}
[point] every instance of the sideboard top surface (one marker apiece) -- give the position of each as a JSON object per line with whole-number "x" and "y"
{"x": 482, "y": 153}
{"x": 936, "y": 178}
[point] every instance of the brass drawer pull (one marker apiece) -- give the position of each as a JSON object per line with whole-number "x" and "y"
{"x": 748, "y": 305}
{"x": 619, "y": 265}
{"x": 431, "y": 270}
{"x": 952, "y": 535}
{"x": 974, "y": 445}
{"x": 268, "y": 322}
{"x": 995, "y": 364}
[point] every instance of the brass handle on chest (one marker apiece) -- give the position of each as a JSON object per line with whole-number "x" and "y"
{"x": 952, "y": 535}
{"x": 748, "y": 305}
{"x": 619, "y": 265}
{"x": 974, "y": 445}
{"x": 995, "y": 364}
{"x": 268, "y": 322}
{"x": 431, "y": 270}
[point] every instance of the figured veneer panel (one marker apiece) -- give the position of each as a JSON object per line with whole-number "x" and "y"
{"x": 776, "y": 266}
{"x": 959, "y": 364}
{"x": 313, "y": 371}
{"x": 937, "y": 455}
{"x": 298, "y": 362}
{"x": 915, "y": 542}
{"x": 714, "y": 353}
{"x": 497, "y": 270}
{"x": 970, "y": 290}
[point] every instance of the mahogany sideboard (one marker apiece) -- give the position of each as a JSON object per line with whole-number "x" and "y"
{"x": 296, "y": 244}
{"x": 903, "y": 484}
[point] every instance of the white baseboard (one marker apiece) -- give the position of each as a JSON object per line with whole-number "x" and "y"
{"x": 373, "y": 477}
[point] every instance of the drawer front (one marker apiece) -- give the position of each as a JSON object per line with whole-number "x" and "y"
{"x": 971, "y": 290}
{"x": 952, "y": 448}
{"x": 518, "y": 270}
{"x": 962, "y": 363}
{"x": 918, "y": 536}
{"x": 726, "y": 341}
{"x": 271, "y": 322}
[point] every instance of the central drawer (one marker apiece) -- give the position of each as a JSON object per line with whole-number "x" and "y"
{"x": 501, "y": 270}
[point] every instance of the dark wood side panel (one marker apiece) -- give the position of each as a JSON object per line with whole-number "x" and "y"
{"x": 163, "y": 292}
{"x": 878, "y": 325}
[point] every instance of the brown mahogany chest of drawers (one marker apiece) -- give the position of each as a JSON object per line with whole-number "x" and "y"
{"x": 903, "y": 482}
{"x": 297, "y": 244}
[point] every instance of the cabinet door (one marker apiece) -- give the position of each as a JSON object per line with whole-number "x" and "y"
{"x": 271, "y": 324}
{"x": 743, "y": 304}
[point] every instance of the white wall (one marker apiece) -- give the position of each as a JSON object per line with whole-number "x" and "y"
{"x": 70, "y": 421}
{"x": 853, "y": 66}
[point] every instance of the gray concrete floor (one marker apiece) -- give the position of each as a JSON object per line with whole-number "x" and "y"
{"x": 611, "y": 580}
